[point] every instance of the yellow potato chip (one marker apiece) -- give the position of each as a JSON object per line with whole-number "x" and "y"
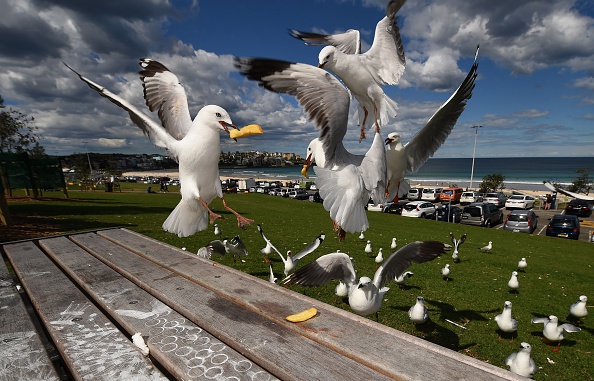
{"x": 251, "y": 129}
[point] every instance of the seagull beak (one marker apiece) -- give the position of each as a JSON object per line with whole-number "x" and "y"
{"x": 321, "y": 65}
{"x": 388, "y": 141}
{"x": 226, "y": 126}
{"x": 306, "y": 165}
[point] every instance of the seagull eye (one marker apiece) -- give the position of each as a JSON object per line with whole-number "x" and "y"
{"x": 218, "y": 114}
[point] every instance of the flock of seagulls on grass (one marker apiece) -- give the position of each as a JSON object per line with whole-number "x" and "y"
{"x": 346, "y": 181}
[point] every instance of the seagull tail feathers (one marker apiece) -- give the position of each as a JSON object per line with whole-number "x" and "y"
{"x": 187, "y": 218}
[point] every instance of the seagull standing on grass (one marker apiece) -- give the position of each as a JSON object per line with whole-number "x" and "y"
{"x": 522, "y": 264}
{"x": 403, "y": 278}
{"x": 291, "y": 260}
{"x": 362, "y": 236}
{"x": 217, "y": 231}
{"x": 365, "y": 295}
{"x": 379, "y": 258}
{"x": 364, "y": 74}
{"x": 487, "y": 248}
{"x": 418, "y": 313}
{"x": 520, "y": 362}
{"x": 513, "y": 282}
{"x": 393, "y": 245}
{"x": 554, "y": 332}
{"x": 504, "y": 320}
{"x": 578, "y": 309}
{"x": 445, "y": 272}
{"x": 368, "y": 249}
{"x": 457, "y": 243}
{"x": 194, "y": 144}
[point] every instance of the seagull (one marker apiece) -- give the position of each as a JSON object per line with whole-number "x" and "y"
{"x": 578, "y": 309}
{"x": 368, "y": 248}
{"x": 522, "y": 264}
{"x": 345, "y": 181}
{"x": 513, "y": 282}
{"x": 379, "y": 257}
{"x": 365, "y": 295}
{"x": 520, "y": 362}
{"x": 504, "y": 320}
{"x": 403, "y": 278}
{"x": 267, "y": 250}
{"x": 271, "y": 278}
{"x": 393, "y": 245}
{"x": 445, "y": 272}
{"x": 235, "y": 247}
{"x": 291, "y": 260}
{"x": 365, "y": 73}
{"x": 342, "y": 289}
{"x": 413, "y": 155}
{"x": 553, "y": 331}
{"x": 362, "y": 236}
{"x": 418, "y": 313}
{"x": 217, "y": 231}
{"x": 457, "y": 244}
{"x": 194, "y": 144}
{"x": 487, "y": 248}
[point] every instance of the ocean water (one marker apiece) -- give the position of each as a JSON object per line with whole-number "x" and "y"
{"x": 528, "y": 172}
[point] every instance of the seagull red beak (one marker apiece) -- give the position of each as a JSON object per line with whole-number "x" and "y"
{"x": 306, "y": 165}
{"x": 321, "y": 65}
{"x": 226, "y": 126}
{"x": 388, "y": 141}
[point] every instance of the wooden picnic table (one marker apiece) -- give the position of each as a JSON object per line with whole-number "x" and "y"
{"x": 75, "y": 301}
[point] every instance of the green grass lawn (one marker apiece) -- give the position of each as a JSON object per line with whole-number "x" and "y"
{"x": 558, "y": 272}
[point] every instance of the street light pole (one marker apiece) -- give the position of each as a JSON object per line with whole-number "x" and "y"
{"x": 473, "y": 153}
{"x": 89, "y": 160}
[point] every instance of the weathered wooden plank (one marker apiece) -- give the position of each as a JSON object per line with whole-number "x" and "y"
{"x": 283, "y": 352}
{"x": 22, "y": 354}
{"x": 91, "y": 346}
{"x": 353, "y": 336}
{"x": 180, "y": 346}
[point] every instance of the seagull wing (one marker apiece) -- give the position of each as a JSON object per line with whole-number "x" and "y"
{"x": 385, "y": 59}
{"x": 428, "y": 140}
{"x": 400, "y": 260}
{"x": 453, "y": 239}
{"x": 213, "y": 247}
{"x": 322, "y": 96}
{"x": 540, "y": 320}
{"x": 269, "y": 243}
{"x": 239, "y": 246}
{"x": 570, "y": 327}
{"x": 165, "y": 94}
{"x": 568, "y": 193}
{"x": 309, "y": 248}
{"x": 462, "y": 239}
{"x": 348, "y": 42}
{"x": 158, "y": 135}
{"x": 324, "y": 269}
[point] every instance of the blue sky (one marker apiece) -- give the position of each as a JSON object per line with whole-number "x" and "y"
{"x": 534, "y": 94}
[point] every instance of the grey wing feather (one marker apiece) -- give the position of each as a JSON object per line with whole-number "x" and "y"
{"x": 570, "y": 327}
{"x": 540, "y": 320}
{"x": 323, "y": 270}
{"x": 239, "y": 246}
{"x": 428, "y": 140}
{"x": 462, "y": 239}
{"x": 213, "y": 247}
{"x": 452, "y": 238}
{"x": 158, "y": 135}
{"x": 348, "y": 42}
{"x": 386, "y": 56}
{"x": 309, "y": 248}
{"x": 415, "y": 252}
{"x": 165, "y": 94}
{"x": 325, "y": 100}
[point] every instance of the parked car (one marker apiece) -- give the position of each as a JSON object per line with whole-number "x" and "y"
{"x": 470, "y": 197}
{"x": 395, "y": 207}
{"x": 523, "y": 221}
{"x": 430, "y": 194}
{"x": 299, "y": 194}
{"x": 452, "y": 195}
{"x": 449, "y": 213}
{"x": 414, "y": 194}
{"x": 274, "y": 192}
{"x": 482, "y": 214}
{"x": 519, "y": 201}
{"x": 564, "y": 226}
{"x": 579, "y": 208}
{"x": 373, "y": 207}
{"x": 316, "y": 197}
{"x": 420, "y": 209}
{"x": 496, "y": 198}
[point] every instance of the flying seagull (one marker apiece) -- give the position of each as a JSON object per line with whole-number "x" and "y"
{"x": 410, "y": 157}
{"x": 234, "y": 247}
{"x": 194, "y": 144}
{"x": 365, "y": 294}
{"x": 520, "y": 362}
{"x": 291, "y": 260}
{"x": 365, "y": 73}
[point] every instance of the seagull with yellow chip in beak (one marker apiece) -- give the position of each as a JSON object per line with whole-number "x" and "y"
{"x": 194, "y": 144}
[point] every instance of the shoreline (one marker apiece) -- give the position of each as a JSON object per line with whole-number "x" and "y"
{"x": 532, "y": 189}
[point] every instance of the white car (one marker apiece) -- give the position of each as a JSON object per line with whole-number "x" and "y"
{"x": 518, "y": 201}
{"x": 470, "y": 197}
{"x": 419, "y": 209}
{"x": 414, "y": 194}
{"x": 430, "y": 194}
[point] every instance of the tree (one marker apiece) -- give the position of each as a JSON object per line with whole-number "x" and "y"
{"x": 582, "y": 184}
{"x": 492, "y": 183}
{"x": 17, "y": 133}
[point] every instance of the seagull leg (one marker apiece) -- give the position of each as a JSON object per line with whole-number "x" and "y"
{"x": 241, "y": 220}
{"x": 213, "y": 216}
{"x": 363, "y": 134}
{"x": 377, "y": 125}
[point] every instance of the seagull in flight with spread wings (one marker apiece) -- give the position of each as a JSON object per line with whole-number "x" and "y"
{"x": 365, "y": 73}
{"x": 291, "y": 260}
{"x": 194, "y": 144}
{"x": 414, "y": 154}
{"x": 365, "y": 294}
